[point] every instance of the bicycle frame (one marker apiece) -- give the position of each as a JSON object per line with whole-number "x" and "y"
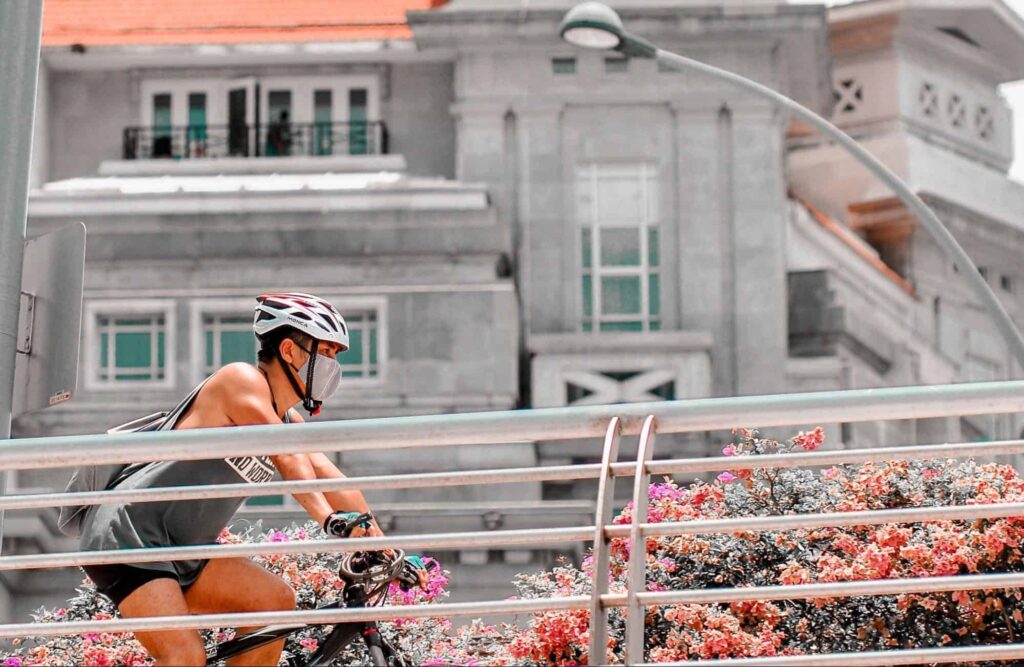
{"x": 332, "y": 645}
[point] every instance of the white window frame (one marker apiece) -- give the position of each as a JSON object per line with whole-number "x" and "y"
{"x": 198, "y": 308}
{"x": 121, "y": 308}
{"x": 379, "y": 305}
{"x": 648, "y": 173}
{"x": 216, "y": 91}
{"x": 301, "y": 87}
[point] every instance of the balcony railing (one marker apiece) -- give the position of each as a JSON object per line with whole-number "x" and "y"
{"x": 270, "y": 140}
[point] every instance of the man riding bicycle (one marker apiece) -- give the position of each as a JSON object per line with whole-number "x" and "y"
{"x": 299, "y": 337}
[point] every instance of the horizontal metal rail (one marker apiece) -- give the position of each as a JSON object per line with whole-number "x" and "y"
{"x": 808, "y": 591}
{"x": 828, "y": 520}
{"x": 837, "y": 589}
{"x": 518, "y": 426}
{"x": 309, "y": 617}
{"x": 509, "y": 475}
{"x": 435, "y": 542}
{"x": 502, "y": 538}
{"x": 917, "y": 656}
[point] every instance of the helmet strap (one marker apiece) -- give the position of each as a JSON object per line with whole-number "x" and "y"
{"x": 311, "y": 405}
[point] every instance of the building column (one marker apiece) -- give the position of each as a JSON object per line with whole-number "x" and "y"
{"x": 759, "y": 248}
{"x": 544, "y": 228}
{"x": 705, "y": 231}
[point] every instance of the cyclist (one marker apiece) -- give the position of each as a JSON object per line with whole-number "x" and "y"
{"x": 299, "y": 336}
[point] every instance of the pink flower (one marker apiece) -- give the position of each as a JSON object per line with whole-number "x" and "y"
{"x": 13, "y": 661}
{"x": 726, "y": 477}
{"x": 309, "y": 644}
{"x": 729, "y": 450}
{"x": 830, "y": 473}
{"x": 810, "y": 441}
{"x": 278, "y": 536}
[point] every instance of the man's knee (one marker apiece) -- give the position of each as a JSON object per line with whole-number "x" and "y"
{"x": 277, "y": 597}
{"x": 185, "y": 653}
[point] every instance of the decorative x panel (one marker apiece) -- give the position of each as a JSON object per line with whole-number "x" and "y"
{"x": 597, "y": 388}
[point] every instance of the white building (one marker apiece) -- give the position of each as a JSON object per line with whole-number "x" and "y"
{"x": 508, "y": 222}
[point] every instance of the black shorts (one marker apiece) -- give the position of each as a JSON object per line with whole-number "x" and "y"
{"x": 119, "y": 581}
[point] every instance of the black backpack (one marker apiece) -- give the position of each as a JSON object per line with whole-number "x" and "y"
{"x": 100, "y": 477}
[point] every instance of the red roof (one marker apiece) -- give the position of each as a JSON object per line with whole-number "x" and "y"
{"x": 153, "y": 22}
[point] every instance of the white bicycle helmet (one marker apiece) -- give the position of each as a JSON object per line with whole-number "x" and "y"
{"x": 304, "y": 312}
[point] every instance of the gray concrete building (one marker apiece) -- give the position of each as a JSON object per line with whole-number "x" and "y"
{"x": 507, "y": 222}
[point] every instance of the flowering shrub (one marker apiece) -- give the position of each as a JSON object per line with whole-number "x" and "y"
{"x": 680, "y": 632}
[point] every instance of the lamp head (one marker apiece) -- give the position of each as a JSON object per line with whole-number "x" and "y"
{"x": 592, "y": 25}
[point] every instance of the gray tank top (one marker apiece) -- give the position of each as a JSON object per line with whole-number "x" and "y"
{"x": 178, "y": 523}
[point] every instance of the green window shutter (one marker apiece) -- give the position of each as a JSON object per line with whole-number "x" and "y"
{"x": 622, "y": 326}
{"x": 654, "y": 294}
{"x": 132, "y": 350}
{"x": 352, "y": 359}
{"x": 588, "y": 296}
{"x": 323, "y": 117}
{"x": 236, "y": 346}
{"x": 265, "y": 501}
{"x": 358, "y": 111}
{"x": 620, "y": 295}
{"x": 620, "y": 247}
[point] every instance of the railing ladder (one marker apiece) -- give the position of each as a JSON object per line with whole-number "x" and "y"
{"x": 637, "y": 582}
{"x": 597, "y": 652}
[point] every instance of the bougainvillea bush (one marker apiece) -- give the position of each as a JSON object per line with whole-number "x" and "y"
{"x": 678, "y": 632}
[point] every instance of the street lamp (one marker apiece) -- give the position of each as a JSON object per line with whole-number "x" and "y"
{"x": 594, "y": 25}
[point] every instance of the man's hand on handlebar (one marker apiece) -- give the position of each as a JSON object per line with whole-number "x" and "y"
{"x": 351, "y": 524}
{"x": 414, "y": 573}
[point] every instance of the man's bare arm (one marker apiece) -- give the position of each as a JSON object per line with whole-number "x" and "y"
{"x": 343, "y": 501}
{"x": 252, "y": 408}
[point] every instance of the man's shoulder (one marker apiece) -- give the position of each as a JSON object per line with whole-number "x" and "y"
{"x": 238, "y": 380}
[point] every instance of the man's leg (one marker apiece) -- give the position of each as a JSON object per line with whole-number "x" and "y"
{"x": 238, "y": 585}
{"x": 163, "y": 597}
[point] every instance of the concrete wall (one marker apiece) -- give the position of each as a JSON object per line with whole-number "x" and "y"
{"x": 419, "y": 121}
{"x": 88, "y": 112}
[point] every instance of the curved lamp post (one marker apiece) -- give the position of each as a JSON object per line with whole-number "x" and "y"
{"x": 594, "y": 25}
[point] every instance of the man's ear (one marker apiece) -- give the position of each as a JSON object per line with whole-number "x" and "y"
{"x": 287, "y": 349}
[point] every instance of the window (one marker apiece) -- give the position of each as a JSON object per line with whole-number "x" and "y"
{"x": 162, "y": 125}
{"x": 131, "y": 348}
{"x": 563, "y": 65}
{"x": 279, "y": 129}
{"x": 362, "y": 358}
{"x": 227, "y": 339}
{"x": 619, "y": 244}
{"x": 129, "y": 344}
{"x": 196, "y": 136}
{"x": 616, "y": 65}
{"x": 358, "y": 140}
{"x": 323, "y": 116}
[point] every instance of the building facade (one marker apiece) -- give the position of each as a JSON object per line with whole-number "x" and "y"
{"x": 510, "y": 223}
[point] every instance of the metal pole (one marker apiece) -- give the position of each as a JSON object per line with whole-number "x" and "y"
{"x": 20, "y": 27}
{"x": 597, "y": 651}
{"x": 931, "y": 222}
{"x": 636, "y": 584}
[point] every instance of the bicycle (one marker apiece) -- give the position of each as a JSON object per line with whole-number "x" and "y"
{"x": 367, "y": 576}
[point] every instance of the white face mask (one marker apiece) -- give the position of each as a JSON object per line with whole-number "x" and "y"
{"x": 326, "y": 376}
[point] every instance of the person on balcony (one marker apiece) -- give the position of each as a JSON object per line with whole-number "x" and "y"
{"x": 279, "y": 135}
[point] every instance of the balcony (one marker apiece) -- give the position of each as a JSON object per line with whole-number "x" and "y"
{"x": 273, "y": 140}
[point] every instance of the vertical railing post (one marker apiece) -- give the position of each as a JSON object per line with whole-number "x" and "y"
{"x": 637, "y": 582}
{"x": 597, "y": 652}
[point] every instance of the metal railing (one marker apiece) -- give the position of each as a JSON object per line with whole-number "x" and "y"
{"x": 181, "y": 142}
{"x": 609, "y": 422}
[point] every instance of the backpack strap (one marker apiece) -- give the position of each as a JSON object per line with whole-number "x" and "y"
{"x": 171, "y": 420}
